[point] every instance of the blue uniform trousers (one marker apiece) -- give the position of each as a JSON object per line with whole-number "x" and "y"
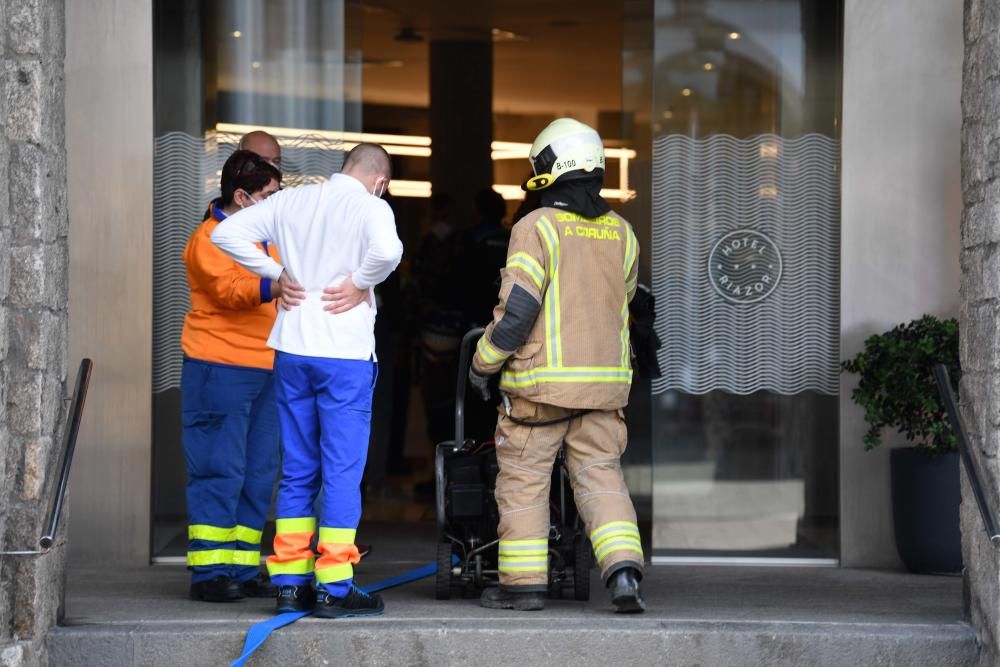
{"x": 324, "y": 406}
{"x": 231, "y": 450}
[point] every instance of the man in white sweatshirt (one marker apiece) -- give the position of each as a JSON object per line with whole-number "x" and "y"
{"x": 339, "y": 233}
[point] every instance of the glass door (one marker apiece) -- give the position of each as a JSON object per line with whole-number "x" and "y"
{"x": 743, "y": 259}
{"x": 221, "y": 69}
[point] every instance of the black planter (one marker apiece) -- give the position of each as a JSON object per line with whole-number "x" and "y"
{"x": 925, "y": 500}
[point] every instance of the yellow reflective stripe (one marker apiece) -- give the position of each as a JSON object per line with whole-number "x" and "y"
{"x": 604, "y": 530}
{"x": 488, "y": 352}
{"x": 210, "y": 557}
{"x": 625, "y": 334}
{"x": 306, "y": 524}
{"x": 630, "y": 246}
{"x": 246, "y": 557}
{"x": 521, "y": 379}
{"x": 551, "y": 299}
{"x": 334, "y": 573}
{"x": 528, "y": 264}
{"x": 530, "y": 548}
{"x": 337, "y": 535}
{"x": 301, "y": 566}
{"x": 521, "y": 565}
{"x": 248, "y": 535}
{"x": 621, "y": 543}
{"x": 199, "y": 531}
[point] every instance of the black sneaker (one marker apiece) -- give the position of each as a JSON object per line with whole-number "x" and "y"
{"x": 219, "y": 589}
{"x": 498, "y": 598}
{"x": 625, "y": 594}
{"x": 259, "y": 587}
{"x": 295, "y": 598}
{"x": 355, "y": 603}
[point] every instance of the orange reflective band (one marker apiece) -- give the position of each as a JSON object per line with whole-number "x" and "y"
{"x": 335, "y": 554}
{"x": 292, "y": 546}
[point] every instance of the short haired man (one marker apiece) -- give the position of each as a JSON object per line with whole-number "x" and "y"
{"x": 338, "y": 233}
{"x": 264, "y": 145}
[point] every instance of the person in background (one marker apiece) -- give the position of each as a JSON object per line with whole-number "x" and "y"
{"x": 264, "y": 145}
{"x": 227, "y": 394}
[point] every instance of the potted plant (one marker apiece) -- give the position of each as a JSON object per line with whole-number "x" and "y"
{"x": 896, "y": 389}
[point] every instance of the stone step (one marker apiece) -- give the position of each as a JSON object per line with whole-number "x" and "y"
{"x": 520, "y": 641}
{"x": 708, "y": 616}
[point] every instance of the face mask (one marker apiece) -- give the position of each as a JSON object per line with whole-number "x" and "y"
{"x": 385, "y": 184}
{"x": 252, "y": 198}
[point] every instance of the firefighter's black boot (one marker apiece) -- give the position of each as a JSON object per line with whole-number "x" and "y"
{"x": 499, "y": 598}
{"x": 259, "y": 586}
{"x": 625, "y": 594}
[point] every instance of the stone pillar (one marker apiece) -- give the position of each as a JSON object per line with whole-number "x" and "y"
{"x": 33, "y": 317}
{"x": 979, "y": 324}
{"x": 461, "y": 115}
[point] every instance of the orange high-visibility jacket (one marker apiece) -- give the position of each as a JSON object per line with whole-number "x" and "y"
{"x": 231, "y": 308}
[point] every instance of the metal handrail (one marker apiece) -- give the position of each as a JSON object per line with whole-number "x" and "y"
{"x": 958, "y": 426}
{"x": 70, "y": 434}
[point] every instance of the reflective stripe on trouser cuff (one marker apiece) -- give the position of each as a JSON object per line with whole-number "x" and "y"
{"x": 248, "y": 535}
{"x": 246, "y": 557}
{"x": 210, "y": 557}
{"x": 299, "y": 566}
{"x": 619, "y": 544}
{"x": 217, "y": 534}
{"x": 306, "y": 524}
{"x": 520, "y": 548}
{"x": 200, "y": 531}
{"x": 334, "y": 573}
{"x": 526, "y": 564}
{"x": 615, "y": 536}
{"x": 337, "y": 535}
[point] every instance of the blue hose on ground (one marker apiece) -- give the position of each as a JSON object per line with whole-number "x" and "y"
{"x": 259, "y": 632}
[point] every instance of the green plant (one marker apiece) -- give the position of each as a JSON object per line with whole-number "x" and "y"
{"x": 897, "y": 388}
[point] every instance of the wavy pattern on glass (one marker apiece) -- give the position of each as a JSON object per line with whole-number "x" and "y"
{"x": 789, "y": 191}
{"x": 186, "y": 171}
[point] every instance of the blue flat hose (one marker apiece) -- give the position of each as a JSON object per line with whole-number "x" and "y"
{"x": 259, "y": 632}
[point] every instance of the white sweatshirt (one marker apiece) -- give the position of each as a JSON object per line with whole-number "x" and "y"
{"x": 324, "y": 232}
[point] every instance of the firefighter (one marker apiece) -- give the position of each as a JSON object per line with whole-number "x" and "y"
{"x": 560, "y": 341}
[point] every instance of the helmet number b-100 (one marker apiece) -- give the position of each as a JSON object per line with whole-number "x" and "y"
{"x": 565, "y": 164}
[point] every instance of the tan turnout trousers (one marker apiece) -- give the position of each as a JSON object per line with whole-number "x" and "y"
{"x": 594, "y": 443}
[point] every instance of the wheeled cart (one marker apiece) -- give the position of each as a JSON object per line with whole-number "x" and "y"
{"x": 465, "y": 471}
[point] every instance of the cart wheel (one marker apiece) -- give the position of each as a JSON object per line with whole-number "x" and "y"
{"x": 581, "y": 569}
{"x": 442, "y": 580}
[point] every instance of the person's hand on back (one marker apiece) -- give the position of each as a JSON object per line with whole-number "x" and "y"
{"x": 292, "y": 293}
{"x": 344, "y": 296}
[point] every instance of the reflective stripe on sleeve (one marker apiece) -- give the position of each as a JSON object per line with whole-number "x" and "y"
{"x": 528, "y": 264}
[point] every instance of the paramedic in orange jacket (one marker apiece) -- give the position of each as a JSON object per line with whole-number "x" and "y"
{"x": 227, "y": 393}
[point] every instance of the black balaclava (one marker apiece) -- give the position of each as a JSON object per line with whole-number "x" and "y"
{"x": 579, "y": 195}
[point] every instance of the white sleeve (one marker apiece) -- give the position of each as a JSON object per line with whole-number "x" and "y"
{"x": 239, "y": 234}
{"x": 384, "y": 247}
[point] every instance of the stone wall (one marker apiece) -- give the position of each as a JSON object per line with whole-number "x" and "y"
{"x": 980, "y": 316}
{"x": 33, "y": 316}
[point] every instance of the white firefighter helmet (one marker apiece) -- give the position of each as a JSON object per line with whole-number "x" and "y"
{"x": 566, "y": 149}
